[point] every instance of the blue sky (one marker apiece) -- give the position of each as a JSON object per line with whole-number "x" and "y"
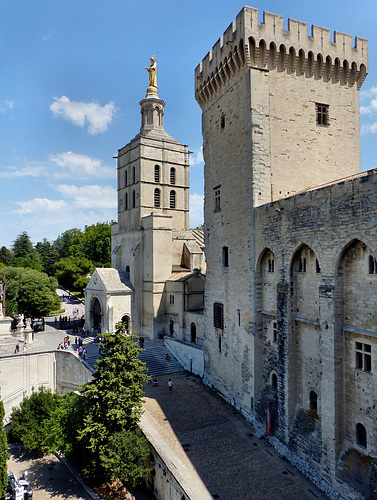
{"x": 71, "y": 78}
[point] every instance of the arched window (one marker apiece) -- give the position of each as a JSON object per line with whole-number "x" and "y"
{"x": 313, "y": 401}
{"x": 125, "y": 179}
{"x": 172, "y": 199}
{"x": 156, "y": 173}
{"x": 361, "y": 435}
{"x": 156, "y": 197}
{"x": 133, "y": 175}
{"x": 193, "y": 333}
{"x": 126, "y": 201}
{"x": 126, "y": 322}
{"x": 172, "y": 175}
{"x": 133, "y": 199}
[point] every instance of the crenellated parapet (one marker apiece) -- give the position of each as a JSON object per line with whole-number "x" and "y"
{"x": 268, "y": 46}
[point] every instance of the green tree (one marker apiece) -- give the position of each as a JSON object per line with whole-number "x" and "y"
{"x": 115, "y": 398}
{"x": 3, "y": 454}
{"x": 66, "y": 242}
{"x": 72, "y": 272}
{"x": 49, "y": 255}
{"x": 96, "y": 243}
{"x": 30, "y": 421}
{"x": 30, "y": 292}
{"x": 5, "y": 256}
{"x": 22, "y": 247}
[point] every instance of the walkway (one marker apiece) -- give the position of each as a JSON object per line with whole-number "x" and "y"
{"x": 219, "y": 449}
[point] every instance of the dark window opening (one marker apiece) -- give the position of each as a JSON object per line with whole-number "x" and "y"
{"x": 301, "y": 265}
{"x": 133, "y": 199}
{"x": 156, "y": 197}
{"x": 313, "y": 404}
{"x": 372, "y": 265}
{"x": 274, "y": 331}
{"x": 222, "y": 120}
{"x": 193, "y": 333}
{"x": 125, "y": 179}
{"x": 239, "y": 317}
{"x": 172, "y": 175}
{"x": 225, "y": 257}
{"x": 172, "y": 199}
{"x": 322, "y": 112}
{"x": 156, "y": 173}
{"x": 271, "y": 265}
{"x": 218, "y": 315}
{"x": 217, "y": 200}
{"x": 361, "y": 435}
{"x": 274, "y": 382}
{"x": 126, "y": 201}
{"x": 363, "y": 359}
{"x": 133, "y": 175}
{"x": 317, "y": 268}
{"x": 171, "y": 299}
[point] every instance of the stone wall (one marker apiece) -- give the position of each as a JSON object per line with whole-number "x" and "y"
{"x": 22, "y": 373}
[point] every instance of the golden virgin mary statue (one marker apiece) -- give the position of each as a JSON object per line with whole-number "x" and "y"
{"x": 152, "y": 70}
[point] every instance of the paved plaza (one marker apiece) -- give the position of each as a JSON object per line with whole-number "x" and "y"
{"x": 219, "y": 446}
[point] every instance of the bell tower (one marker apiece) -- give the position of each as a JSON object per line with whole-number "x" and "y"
{"x": 153, "y": 169}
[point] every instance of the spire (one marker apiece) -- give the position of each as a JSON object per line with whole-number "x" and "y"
{"x": 152, "y": 107}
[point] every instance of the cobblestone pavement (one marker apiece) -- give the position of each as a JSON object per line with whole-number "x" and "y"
{"x": 48, "y": 477}
{"x": 219, "y": 445}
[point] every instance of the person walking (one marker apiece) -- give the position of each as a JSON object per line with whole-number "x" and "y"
{"x": 170, "y": 385}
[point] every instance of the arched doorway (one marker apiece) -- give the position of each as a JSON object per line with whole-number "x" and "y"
{"x": 96, "y": 313}
{"x": 171, "y": 328}
{"x": 126, "y": 321}
{"x": 193, "y": 333}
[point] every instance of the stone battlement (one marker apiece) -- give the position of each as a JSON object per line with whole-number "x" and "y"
{"x": 268, "y": 45}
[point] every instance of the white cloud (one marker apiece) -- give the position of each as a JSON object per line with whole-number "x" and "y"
{"x": 77, "y": 165}
{"x": 5, "y": 106}
{"x": 94, "y": 196}
{"x": 368, "y": 128}
{"x": 98, "y": 117}
{"x": 196, "y": 209}
{"x": 40, "y": 205}
{"x": 29, "y": 171}
{"x": 197, "y": 156}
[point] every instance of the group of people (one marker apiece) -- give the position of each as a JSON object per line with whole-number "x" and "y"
{"x": 65, "y": 344}
{"x": 17, "y": 348}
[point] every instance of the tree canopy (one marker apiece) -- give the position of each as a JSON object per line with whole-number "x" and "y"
{"x": 30, "y": 292}
{"x": 115, "y": 398}
{"x": 70, "y": 258}
{"x": 98, "y": 429}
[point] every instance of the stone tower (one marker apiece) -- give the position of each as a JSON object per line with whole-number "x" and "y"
{"x": 153, "y": 172}
{"x": 280, "y": 114}
{"x": 153, "y": 204}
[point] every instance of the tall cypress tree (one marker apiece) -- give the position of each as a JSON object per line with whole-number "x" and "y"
{"x": 110, "y": 430}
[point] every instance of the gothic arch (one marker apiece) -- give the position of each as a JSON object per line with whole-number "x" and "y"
{"x": 96, "y": 312}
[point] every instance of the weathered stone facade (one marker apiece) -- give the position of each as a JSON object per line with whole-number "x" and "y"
{"x": 291, "y": 244}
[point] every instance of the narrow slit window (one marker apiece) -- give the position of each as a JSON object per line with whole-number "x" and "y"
{"x": 172, "y": 199}
{"x": 172, "y": 175}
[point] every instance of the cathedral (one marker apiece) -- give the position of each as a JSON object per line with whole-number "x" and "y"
{"x": 275, "y": 305}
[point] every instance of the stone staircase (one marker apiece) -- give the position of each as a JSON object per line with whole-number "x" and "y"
{"x": 153, "y": 356}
